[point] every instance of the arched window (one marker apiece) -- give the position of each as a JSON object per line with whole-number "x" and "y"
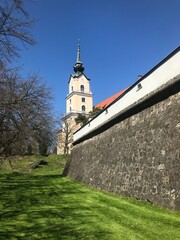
{"x": 82, "y": 88}
{"x": 70, "y": 109}
{"x": 83, "y": 108}
{"x": 72, "y": 89}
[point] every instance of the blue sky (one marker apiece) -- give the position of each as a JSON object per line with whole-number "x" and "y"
{"x": 120, "y": 39}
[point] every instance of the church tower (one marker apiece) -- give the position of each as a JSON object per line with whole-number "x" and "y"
{"x": 78, "y": 101}
{"x": 80, "y": 97}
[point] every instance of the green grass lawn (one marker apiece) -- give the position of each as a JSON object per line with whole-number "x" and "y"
{"x": 41, "y": 204}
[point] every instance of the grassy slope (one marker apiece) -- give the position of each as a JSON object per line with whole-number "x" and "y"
{"x": 43, "y": 205}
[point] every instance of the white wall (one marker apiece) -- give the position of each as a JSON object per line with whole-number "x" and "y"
{"x": 159, "y": 77}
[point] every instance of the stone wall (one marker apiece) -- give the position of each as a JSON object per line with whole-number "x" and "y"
{"x": 138, "y": 155}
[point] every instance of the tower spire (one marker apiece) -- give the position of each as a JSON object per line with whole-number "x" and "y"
{"x": 78, "y": 67}
{"x": 78, "y": 52}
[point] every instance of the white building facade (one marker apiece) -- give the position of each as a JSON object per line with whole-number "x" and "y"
{"x": 167, "y": 69}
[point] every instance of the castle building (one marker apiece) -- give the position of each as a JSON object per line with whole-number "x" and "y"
{"x": 78, "y": 101}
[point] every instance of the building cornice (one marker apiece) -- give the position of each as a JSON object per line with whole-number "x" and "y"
{"x": 85, "y": 94}
{"x": 73, "y": 114}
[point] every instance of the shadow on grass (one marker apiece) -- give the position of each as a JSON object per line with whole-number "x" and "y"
{"x": 45, "y": 207}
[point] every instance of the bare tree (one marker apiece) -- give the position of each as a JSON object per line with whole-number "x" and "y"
{"x": 64, "y": 135}
{"x": 67, "y": 129}
{"x": 68, "y": 126}
{"x": 15, "y": 26}
{"x": 26, "y": 118}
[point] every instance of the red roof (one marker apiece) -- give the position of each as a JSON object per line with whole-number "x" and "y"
{"x": 109, "y": 100}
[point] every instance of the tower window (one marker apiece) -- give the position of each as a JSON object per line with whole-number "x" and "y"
{"x": 82, "y": 88}
{"x": 83, "y": 108}
{"x": 70, "y": 109}
{"x": 72, "y": 89}
{"x": 83, "y": 99}
{"x": 70, "y": 101}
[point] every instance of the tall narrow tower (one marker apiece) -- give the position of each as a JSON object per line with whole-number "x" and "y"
{"x": 78, "y": 101}
{"x": 80, "y": 98}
